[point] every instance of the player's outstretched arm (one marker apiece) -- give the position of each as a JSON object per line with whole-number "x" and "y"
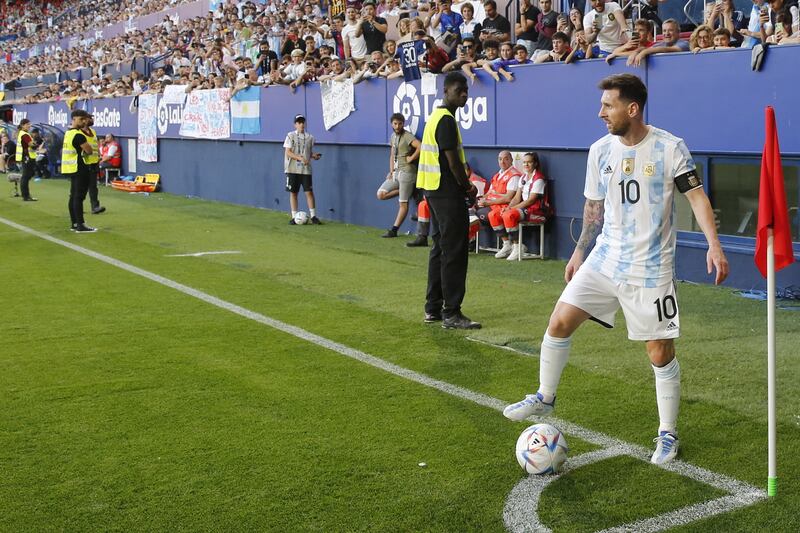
{"x": 592, "y": 224}
{"x": 715, "y": 258}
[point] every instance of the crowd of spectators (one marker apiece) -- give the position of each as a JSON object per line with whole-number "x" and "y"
{"x": 291, "y": 42}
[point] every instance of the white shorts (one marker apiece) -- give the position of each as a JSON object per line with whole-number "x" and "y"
{"x": 650, "y": 312}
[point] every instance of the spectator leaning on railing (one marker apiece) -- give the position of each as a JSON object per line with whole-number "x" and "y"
{"x": 671, "y": 43}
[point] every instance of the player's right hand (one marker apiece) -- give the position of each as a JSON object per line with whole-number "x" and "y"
{"x": 573, "y": 265}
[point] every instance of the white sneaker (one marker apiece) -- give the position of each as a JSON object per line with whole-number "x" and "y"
{"x": 532, "y": 405}
{"x": 505, "y": 250}
{"x": 519, "y": 249}
{"x": 666, "y": 448}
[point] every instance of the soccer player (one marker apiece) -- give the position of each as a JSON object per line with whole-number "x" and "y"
{"x": 631, "y": 177}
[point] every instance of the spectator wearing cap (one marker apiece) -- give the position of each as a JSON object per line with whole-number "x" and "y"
{"x": 372, "y": 27}
{"x": 672, "y": 43}
{"x": 295, "y": 69}
{"x": 299, "y": 152}
{"x": 495, "y": 26}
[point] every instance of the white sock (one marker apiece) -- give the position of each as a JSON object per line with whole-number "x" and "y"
{"x": 668, "y": 395}
{"x": 294, "y": 213}
{"x": 553, "y": 358}
{"x": 313, "y": 212}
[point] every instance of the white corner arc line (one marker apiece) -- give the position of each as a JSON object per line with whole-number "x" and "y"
{"x": 740, "y": 494}
{"x": 201, "y": 254}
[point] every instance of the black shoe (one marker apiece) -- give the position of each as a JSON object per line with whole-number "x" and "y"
{"x": 30, "y": 199}
{"x": 292, "y": 222}
{"x": 459, "y": 321}
{"x": 430, "y": 318}
{"x": 97, "y": 210}
{"x": 315, "y": 220}
{"x": 389, "y": 233}
{"x": 414, "y": 218}
{"x": 83, "y": 228}
{"x": 421, "y": 240}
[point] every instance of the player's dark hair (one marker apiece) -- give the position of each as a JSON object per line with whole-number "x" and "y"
{"x": 454, "y": 78}
{"x": 490, "y": 3}
{"x": 24, "y": 121}
{"x": 630, "y": 87}
{"x": 397, "y": 116}
{"x": 535, "y": 157}
{"x": 79, "y": 113}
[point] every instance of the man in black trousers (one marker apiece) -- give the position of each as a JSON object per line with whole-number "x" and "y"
{"x": 447, "y": 188}
{"x": 73, "y": 166}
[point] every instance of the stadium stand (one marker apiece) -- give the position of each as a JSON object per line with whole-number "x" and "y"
{"x": 65, "y": 49}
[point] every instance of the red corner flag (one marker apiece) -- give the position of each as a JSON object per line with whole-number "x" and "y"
{"x": 772, "y": 210}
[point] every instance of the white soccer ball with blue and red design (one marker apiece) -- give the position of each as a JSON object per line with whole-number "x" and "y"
{"x": 542, "y": 449}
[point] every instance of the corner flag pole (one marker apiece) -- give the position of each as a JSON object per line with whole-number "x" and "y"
{"x": 772, "y": 439}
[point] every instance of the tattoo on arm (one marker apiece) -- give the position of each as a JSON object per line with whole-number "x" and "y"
{"x": 592, "y": 223}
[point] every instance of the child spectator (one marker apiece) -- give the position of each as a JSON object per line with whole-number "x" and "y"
{"x": 469, "y": 27}
{"x": 560, "y": 51}
{"x": 299, "y": 151}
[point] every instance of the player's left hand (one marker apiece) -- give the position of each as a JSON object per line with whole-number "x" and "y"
{"x": 716, "y": 260}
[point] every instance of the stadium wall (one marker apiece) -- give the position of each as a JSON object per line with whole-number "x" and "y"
{"x": 714, "y": 101}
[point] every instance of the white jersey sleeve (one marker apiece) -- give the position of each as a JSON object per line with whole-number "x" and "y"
{"x": 682, "y": 161}
{"x": 594, "y": 189}
{"x": 513, "y": 184}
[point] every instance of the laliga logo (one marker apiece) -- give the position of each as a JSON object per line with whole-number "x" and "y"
{"x": 56, "y": 118}
{"x": 407, "y": 102}
{"x": 17, "y": 116}
{"x": 168, "y": 114}
{"x": 107, "y": 118}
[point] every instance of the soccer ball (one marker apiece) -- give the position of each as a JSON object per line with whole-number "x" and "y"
{"x": 301, "y": 218}
{"x": 542, "y": 449}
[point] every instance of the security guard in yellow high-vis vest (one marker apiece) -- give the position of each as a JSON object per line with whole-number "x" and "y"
{"x": 447, "y": 188}
{"x": 25, "y": 157}
{"x": 93, "y": 162}
{"x": 73, "y": 166}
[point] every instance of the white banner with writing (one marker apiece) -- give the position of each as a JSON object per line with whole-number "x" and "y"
{"x": 338, "y": 101}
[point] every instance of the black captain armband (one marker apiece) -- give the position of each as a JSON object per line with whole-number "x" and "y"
{"x": 688, "y": 181}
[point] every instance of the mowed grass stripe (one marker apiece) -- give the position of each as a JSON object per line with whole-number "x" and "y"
{"x": 120, "y": 395}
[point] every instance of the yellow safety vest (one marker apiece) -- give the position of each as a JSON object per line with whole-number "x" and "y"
{"x": 429, "y": 173}
{"x": 31, "y": 152}
{"x": 94, "y": 157}
{"x": 69, "y": 156}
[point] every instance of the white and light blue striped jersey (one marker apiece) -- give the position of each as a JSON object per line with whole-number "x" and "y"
{"x": 637, "y": 243}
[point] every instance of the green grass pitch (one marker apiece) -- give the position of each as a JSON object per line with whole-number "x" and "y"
{"x": 127, "y": 405}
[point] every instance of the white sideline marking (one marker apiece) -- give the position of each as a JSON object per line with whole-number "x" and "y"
{"x": 520, "y": 510}
{"x": 201, "y": 254}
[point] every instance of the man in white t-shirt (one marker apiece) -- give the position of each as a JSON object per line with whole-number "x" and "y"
{"x": 605, "y": 26}
{"x": 631, "y": 177}
{"x": 355, "y": 46}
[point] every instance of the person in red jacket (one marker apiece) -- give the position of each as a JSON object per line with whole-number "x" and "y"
{"x": 110, "y": 153}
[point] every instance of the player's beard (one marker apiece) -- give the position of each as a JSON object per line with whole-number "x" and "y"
{"x": 620, "y": 130}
